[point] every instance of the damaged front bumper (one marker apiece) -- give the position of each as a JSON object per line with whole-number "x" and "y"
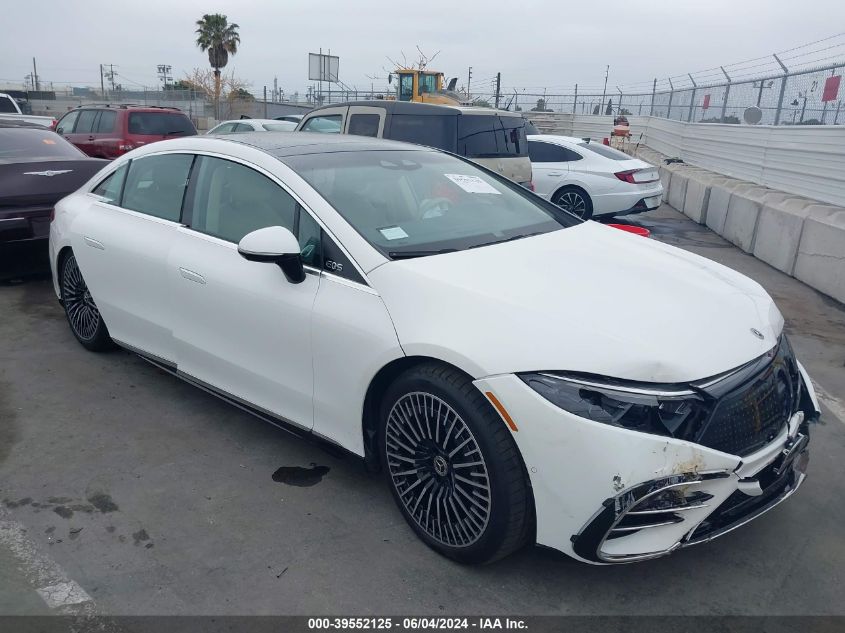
{"x": 605, "y": 494}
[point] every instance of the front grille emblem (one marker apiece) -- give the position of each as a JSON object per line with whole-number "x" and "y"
{"x": 757, "y": 333}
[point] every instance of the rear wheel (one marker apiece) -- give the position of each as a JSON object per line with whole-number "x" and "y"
{"x": 84, "y": 318}
{"x": 454, "y": 469}
{"x": 574, "y": 200}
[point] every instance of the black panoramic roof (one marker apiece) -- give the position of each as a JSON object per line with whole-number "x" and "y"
{"x": 281, "y": 144}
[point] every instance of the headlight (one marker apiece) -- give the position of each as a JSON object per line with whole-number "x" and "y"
{"x": 671, "y": 410}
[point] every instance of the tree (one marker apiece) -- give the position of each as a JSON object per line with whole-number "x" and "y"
{"x": 227, "y": 86}
{"x": 541, "y": 106}
{"x": 220, "y": 39}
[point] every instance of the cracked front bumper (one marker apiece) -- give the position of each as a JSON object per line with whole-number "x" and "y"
{"x": 604, "y": 494}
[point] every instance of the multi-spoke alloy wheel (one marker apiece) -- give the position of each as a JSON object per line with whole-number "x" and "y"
{"x": 574, "y": 201}
{"x": 438, "y": 469}
{"x": 453, "y": 465}
{"x": 82, "y": 313}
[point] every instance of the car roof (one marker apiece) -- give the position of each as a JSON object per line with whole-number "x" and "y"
{"x": 555, "y": 138}
{"x": 249, "y": 120}
{"x": 134, "y": 107}
{"x": 25, "y": 124}
{"x": 414, "y": 107}
{"x": 280, "y": 144}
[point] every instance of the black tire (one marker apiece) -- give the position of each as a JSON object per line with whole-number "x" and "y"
{"x": 575, "y": 200}
{"x": 473, "y": 501}
{"x": 82, "y": 314}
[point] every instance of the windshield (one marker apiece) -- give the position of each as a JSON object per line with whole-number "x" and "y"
{"x": 160, "y": 123}
{"x": 27, "y": 144}
{"x": 416, "y": 203}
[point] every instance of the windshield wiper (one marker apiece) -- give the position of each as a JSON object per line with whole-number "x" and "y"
{"x": 412, "y": 254}
{"x": 507, "y": 239}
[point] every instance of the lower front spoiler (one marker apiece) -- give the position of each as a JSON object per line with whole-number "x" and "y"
{"x": 669, "y": 501}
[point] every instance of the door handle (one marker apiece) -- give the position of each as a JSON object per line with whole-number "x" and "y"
{"x": 190, "y": 275}
{"x": 90, "y": 138}
{"x": 555, "y": 173}
{"x": 93, "y": 243}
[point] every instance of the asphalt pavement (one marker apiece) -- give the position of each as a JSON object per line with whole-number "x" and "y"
{"x": 126, "y": 491}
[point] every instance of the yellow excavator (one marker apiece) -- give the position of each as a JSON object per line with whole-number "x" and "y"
{"x": 425, "y": 86}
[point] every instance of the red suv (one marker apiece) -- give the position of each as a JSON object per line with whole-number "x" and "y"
{"x": 109, "y": 131}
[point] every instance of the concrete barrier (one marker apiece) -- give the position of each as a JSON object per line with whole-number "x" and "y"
{"x": 717, "y": 205}
{"x": 743, "y": 211}
{"x": 698, "y": 195}
{"x": 779, "y": 229}
{"x": 677, "y": 189}
{"x": 821, "y": 253}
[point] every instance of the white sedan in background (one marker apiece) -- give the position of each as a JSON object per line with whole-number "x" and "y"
{"x": 252, "y": 125}
{"x": 416, "y": 310}
{"x": 589, "y": 179}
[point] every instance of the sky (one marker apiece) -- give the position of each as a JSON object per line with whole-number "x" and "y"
{"x": 534, "y": 44}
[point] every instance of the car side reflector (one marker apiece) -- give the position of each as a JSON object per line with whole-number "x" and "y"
{"x": 502, "y": 411}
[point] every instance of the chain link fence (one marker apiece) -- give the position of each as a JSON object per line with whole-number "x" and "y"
{"x": 807, "y": 97}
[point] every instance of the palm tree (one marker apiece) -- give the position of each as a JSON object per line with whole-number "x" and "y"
{"x": 220, "y": 39}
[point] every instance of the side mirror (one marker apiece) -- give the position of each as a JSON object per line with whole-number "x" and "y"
{"x": 275, "y": 245}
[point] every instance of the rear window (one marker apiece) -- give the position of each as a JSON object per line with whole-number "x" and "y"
{"x": 160, "y": 123}
{"x": 27, "y": 144}
{"x": 491, "y": 136}
{"x": 604, "y": 150}
{"x": 433, "y": 131}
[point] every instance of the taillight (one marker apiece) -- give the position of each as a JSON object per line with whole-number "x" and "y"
{"x": 54, "y": 124}
{"x": 627, "y": 176}
{"x": 531, "y": 185}
{"x": 638, "y": 176}
{"x": 52, "y": 214}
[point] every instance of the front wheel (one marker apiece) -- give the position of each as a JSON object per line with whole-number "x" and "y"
{"x": 574, "y": 200}
{"x": 84, "y": 318}
{"x": 454, "y": 469}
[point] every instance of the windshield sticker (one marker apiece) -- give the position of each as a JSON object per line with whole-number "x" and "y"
{"x": 472, "y": 184}
{"x": 393, "y": 233}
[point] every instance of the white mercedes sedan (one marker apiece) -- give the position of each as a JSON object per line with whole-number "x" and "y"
{"x": 590, "y": 179}
{"x": 452, "y": 328}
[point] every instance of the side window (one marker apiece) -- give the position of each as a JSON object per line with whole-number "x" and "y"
{"x": 329, "y": 124}
{"x": 111, "y": 187}
{"x": 406, "y": 87}
{"x": 65, "y": 126}
{"x": 364, "y": 124}
{"x": 337, "y": 263}
{"x": 155, "y": 185}
{"x": 540, "y": 152}
{"x": 232, "y": 200}
{"x": 243, "y": 127}
{"x": 106, "y": 122}
{"x": 309, "y": 234}
{"x": 477, "y": 136}
{"x": 85, "y": 124}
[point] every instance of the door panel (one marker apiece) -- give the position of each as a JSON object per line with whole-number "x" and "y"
{"x": 123, "y": 258}
{"x": 243, "y": 328}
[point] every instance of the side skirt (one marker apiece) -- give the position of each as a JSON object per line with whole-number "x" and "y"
{"x": 331, "y": 447}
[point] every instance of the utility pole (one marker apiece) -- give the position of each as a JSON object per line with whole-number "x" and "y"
{"x": 604, "y": 92}
{"x": 164, "y": 71}
{"x": 276, "y": 89}
{"x": 35, "y": 76}
{"x": 469, "y": 79}
{"x": 498, "y": 87}
{"x": 265, "y": 102}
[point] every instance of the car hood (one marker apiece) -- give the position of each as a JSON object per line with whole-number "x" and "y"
{"x": 589, "y": 298}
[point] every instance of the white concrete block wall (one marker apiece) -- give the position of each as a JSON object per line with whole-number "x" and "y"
{"x": 779, "y": 229}
{"x": 821, "y": 253}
